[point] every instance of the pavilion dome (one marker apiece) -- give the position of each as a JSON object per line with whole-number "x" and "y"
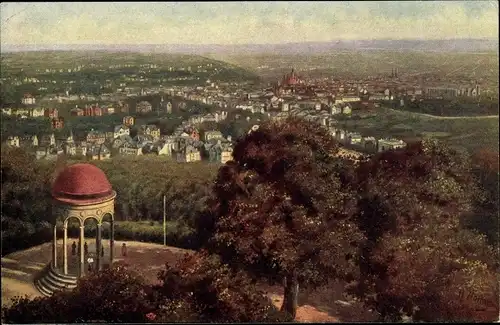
{"x": 81, "y": 182}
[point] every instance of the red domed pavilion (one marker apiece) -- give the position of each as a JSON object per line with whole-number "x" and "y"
{"x": 82, "y": 184}
{"x": 82, "y": 192}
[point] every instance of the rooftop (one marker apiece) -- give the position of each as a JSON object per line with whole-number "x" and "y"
{"x": 82, "y": 184}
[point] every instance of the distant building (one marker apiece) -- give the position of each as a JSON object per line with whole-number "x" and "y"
{"x": 98, "y": 152}
{"x": 450, "y": 92}
{"x": 121, "y": 130}
{"x": 57, "y": 123}
{"x": 290, "y": 79}
{"x": 130, "y": 149}
{"x": 38, "y": 112}
{"x": 92, "y": 110}
{"x": 169, "y": 108}
{"x": 48, "y": 140}
{"x": 51, "y": 113}
{"x": 7, "y": 111}
{"x": 143, "y": 107}
{"x": 96, "y": 137}
{"x": 346, "y": 110}
{"x": 28, "y": 99}
{"x": 128, "y": 121}
{"x": 13, "y": 141}
{"x": 123, "y": 107}
{"x": 444, "y": 92}
{"x": 212, "y": 135}
{"x": 188, "y": 153}
{"x": 110, "y": 110}
{"x": 29, "y": 141}
{"x": 77, "y": 112}
{"x": 390, "y": 144}
{"x": 348, "y": 99}
{"x": 149, "y": 130}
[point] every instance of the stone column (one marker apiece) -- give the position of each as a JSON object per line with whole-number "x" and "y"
{"x": 98, "y": 247}
{"x": 65, "y": 249}
{"x": 82, "y": 254}
{"x": 54, "y": 248}
{"x": 112, "y": 242}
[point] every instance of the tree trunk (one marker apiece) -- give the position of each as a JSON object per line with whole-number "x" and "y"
{"x": 291, "y": 297}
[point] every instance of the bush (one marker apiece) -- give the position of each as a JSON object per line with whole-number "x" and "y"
{"x": 20, "y": 235}
{"x": 178, "y": 235}
{"x": 198, "y": 288}
{"x": 112, "y": 295}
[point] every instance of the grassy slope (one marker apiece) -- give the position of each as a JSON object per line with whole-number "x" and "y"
{"x": 30, "y": 61}
{"x": 470, "y": 132}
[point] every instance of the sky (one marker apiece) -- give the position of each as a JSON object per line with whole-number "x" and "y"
{"x": 57, "y": 23}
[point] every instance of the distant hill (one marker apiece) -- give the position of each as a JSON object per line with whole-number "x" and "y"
{"x": 30, "y": 61}
{"x": 453, "y": 45}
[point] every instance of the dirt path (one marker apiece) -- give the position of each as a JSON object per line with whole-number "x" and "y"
{"x": 20, "y": 268}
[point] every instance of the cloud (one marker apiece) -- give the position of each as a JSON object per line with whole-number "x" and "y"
{"x": 243, "y": 22}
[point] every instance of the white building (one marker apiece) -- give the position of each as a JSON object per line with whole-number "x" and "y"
{"x": 346, "y": 110}
{"x": 348, "y": 99}
{"x": 121, "y": 130}
{"x": 13, "y": 141}
{"x": 390, "y": 144}
{"x": 38, "y": 112}
{"x": 28, "y": 99}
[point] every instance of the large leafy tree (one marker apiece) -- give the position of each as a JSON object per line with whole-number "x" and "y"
{"x": 280, "y": 209}
{"x": 417, "y": 260}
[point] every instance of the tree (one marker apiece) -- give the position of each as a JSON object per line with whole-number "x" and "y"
{"x": 199, "y": 288}
{"x": 485, "y": 166}
{"x": 417, "y": 260}
{"x": 112, "y": 295}
{"x": 280, "y": 210}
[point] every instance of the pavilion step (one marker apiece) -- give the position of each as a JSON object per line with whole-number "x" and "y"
{"x": 53, "y": 281}
{"x": 57, "y": 283}
{"x": 62, "y": 278}
{"x": 48, "y": 286}
{"x": 42, "y": 289}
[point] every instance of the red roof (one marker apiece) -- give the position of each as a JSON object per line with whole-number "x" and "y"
{"x": 84, "y": 183}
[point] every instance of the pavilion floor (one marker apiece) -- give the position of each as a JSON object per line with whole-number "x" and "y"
{"x": 73, "y": 259}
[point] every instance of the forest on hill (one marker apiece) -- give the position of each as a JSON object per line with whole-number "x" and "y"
{"x": 411, "y": 231}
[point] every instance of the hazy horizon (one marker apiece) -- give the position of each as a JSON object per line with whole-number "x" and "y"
{"x": 243, "y": 23}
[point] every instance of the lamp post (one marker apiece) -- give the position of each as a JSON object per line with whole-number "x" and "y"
{"x": 164, "y": 220}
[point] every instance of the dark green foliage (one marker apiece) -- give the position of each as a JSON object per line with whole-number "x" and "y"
{"x": 12, "y": 125}
{"x": 140, "y": 183}
{"x": 199, "y": 288}
{"x": 239, "y": 126}
{"x": 112, "y": 295}
{"x": 279, "y": 204}
{"x": 211, "y": 291}
{"x": 484, "y": 218}
{"x": 416, "y": 256}
{"x": 462, "y": 107}
{"x": 178, "y": 234}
